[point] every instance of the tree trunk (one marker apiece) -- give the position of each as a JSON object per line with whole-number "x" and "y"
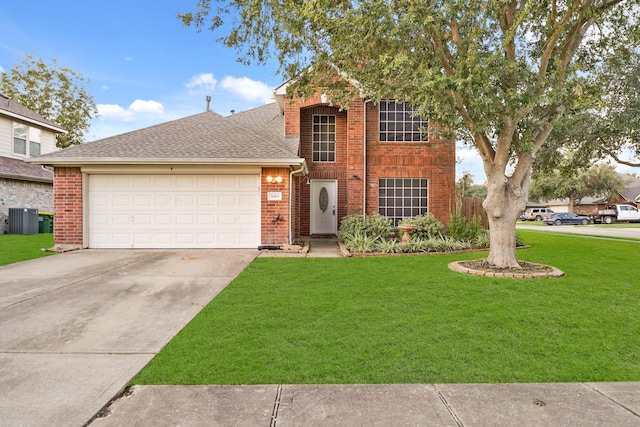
{"x": 503, "y": 205}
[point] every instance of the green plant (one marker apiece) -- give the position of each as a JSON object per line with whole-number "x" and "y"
{"x": 363, "y": 231}
{"x": 428, "y": 226}
{"x": 360, "y": 242}
{"x": 459, "y": 228}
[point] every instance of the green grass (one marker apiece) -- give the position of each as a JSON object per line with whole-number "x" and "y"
{"x": 19, "y": 247}
{"x": 411, "y": 320}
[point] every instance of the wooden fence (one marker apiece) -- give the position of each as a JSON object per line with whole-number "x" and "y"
{"x": 472, "y": 206}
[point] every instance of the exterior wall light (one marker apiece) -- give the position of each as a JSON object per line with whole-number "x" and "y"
{"x": 277, "y": 179}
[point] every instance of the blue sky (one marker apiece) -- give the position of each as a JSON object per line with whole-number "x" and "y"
{"x": 144, "y": 67}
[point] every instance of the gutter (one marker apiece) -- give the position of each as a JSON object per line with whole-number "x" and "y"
{"x": 305, "y": 171}
{"x": 80, "y": 161}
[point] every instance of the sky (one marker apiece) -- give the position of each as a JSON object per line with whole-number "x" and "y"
{"x": 144, "y": 67}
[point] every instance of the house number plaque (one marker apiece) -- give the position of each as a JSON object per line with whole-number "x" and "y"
{"x": 275, "y": 196}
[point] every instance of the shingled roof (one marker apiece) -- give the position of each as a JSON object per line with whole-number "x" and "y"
{"x": 254, "y": 136}
{"x": 631, "y": 191}
{"x": 20, "y": 170}
{"x": 13, "y": 109}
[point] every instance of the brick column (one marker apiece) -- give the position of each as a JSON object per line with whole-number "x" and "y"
{"x": 275, "y": 219}
{"x": 67, "y": 206}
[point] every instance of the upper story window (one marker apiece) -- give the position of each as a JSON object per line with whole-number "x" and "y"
{"x": 27, "y": 141}
{"x": 399, "y": 123}
{"x": 19, "y": 139}
{"x": 324, "y": 138}
{"x": 35, "y": 141}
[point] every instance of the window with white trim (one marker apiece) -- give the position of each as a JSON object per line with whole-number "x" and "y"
{"x": 27, "y": 140}
{"x": 400, "y": 123}
{"x": 400, "y": 198}
{"x": 324, "y": 138}
{"x": 35, "y": 140}
{"x": 19, "y": 139}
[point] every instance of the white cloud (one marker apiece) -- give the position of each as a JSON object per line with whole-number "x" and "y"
{"x": 204, "y": 81}
{"x": 105, "y": 87}
{"x": 1, "y": 69}
{"x": 133, "y": 112}
{"x": 128, "y": 58}
{"x": 150, "y": 107}
{"x": 251, "y": 90}
{"x": 113, "y": 111}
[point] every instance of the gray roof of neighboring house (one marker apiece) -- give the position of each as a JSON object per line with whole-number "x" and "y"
{"x": 11, "y": 108}
{"x": 254, "y": 136}
{"x": 631, "y": 189}
{"x": 21, "y": 170}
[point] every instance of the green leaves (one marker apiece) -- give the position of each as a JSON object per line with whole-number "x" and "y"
{"x": 56, "y": 93}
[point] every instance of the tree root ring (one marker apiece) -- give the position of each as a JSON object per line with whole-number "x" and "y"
{"x": 529, "y": 270}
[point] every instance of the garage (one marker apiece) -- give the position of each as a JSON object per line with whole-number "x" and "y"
{"x": 173, "y": 211}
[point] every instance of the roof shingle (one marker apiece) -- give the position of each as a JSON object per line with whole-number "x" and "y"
{"x": 12, "y": 108}
{"x": 254, "y": 135}
{"x": 19, "y": 169}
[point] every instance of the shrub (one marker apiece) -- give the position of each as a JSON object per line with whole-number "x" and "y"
{"x": 460, "y": 229}
{"x": 428, "y": 226}
{"x": 371, "y": 225}
{"x": 360, "y": 242}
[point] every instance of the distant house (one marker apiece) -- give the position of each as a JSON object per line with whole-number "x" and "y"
{"x": 630, "y": 195}
{"x": 24, "y": 134}
{"x": 262, "y": 177}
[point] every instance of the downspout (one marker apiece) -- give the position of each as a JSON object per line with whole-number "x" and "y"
{"x": 303, "y": 168}
{"x": 364, "y": 159}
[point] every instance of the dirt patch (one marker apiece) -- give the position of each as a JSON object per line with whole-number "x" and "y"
{"x": 528, "y": 269}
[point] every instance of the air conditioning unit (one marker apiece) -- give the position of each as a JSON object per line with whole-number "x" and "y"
{"x": 23, "y": 221}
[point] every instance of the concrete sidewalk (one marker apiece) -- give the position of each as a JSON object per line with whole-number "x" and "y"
{"x": 564, "y": 404}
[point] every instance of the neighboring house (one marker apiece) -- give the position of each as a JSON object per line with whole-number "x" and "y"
{"x": 630, "y": 195}
{"x": 262, "y": 177}
{"x": 24, "y": 134}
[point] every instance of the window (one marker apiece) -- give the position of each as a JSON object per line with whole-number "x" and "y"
{"x": 400, "y": 198}
{"x": 324, "y": 138}
{"x": 19, "y": 139}
{"x": 398, "y": 122}
{"x": 35, "y": 138}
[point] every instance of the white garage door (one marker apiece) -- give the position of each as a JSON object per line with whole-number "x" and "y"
{"x": 174, "y": 211}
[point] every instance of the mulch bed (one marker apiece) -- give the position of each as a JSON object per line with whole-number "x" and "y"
{"x": 528, "y": 270}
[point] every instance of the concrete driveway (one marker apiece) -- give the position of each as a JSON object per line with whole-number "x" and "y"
{"x": 75, "y": 327}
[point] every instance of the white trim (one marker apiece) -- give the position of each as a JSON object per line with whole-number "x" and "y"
{"x": 171, "y": 169}
{"x": 54, "y": 128}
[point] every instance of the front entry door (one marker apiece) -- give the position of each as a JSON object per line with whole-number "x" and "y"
{"x": 324, "y": 206}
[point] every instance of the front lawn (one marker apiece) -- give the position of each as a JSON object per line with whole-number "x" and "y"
{"x": 411, "y": 320}
{"x": 21, "y": 247}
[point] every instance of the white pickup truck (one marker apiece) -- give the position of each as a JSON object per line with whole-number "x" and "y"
{"x": 617, "y": 213}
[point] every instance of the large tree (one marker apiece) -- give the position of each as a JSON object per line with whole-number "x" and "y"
{"x": 496, "y": 73}
{"x": 56, "y": 93}
{"x": 565, "y": 181}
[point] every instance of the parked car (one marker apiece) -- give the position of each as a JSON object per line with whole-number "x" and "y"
{"x": 566, "y": 218}
{"x": 536, "y": 214}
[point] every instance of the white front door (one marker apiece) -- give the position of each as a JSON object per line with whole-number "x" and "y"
{"x": 324, "y": 206}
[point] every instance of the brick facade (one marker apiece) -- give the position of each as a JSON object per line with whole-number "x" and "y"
{"x": 15, "y": 193}
{"x": 356, "y": 171}
{"x": 275, "y": 213}
{"x": 360, "y": 161}
{"x": 67, "y": 200}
